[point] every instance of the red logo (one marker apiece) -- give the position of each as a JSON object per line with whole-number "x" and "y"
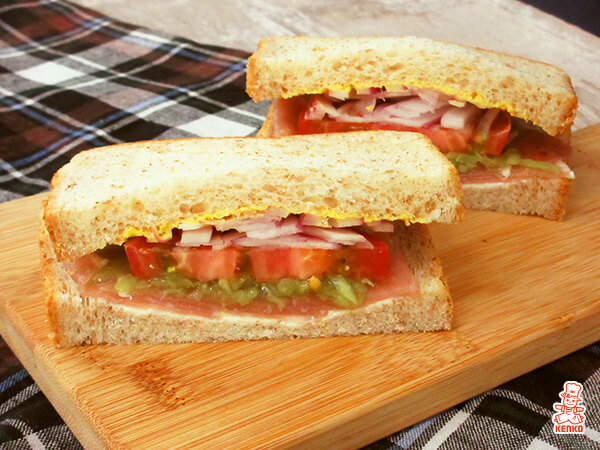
{"x": 569, "y": 417}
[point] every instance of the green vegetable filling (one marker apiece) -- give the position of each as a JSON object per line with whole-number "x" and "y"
{"x": 510, "y": 157}
{"x": 342, "y": 291}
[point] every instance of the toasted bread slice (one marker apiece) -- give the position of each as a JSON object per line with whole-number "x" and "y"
{"x": 78, "y": 320}
{"x": 108, "y": 195}
{"x": 285, "y": 67}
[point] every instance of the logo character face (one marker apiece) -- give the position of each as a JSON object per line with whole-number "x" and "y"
{"x": 569, "y": 400}
{"x": 570, "y": 394}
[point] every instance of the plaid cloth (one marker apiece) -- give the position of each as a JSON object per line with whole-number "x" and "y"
{"x": 515, "y": 415}
{"x": 72, "y": 79}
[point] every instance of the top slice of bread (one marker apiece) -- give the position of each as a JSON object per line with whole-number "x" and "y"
{"x": 107, "y": 195}
{"x": 284, "y": 67}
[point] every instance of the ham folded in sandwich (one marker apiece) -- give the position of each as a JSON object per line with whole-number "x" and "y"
{"x": 238, "y": 239}
{"x": 503, "y": 121}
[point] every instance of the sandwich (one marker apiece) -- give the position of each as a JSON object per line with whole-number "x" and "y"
{"x": 503, "y": 121}
{"x": 198, "y": 240}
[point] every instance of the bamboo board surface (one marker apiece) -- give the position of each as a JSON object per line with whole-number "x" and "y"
{"x": 526, "y": 292}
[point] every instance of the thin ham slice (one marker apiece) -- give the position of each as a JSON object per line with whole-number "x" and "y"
{"x": 85, "y": 267}
{"x": 285, "y": 115}
{"x": 400, "y": 283}
{"x": 152, "y": 298}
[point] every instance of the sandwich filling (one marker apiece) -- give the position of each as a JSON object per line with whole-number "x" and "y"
{"x": 484, "y": 144}
{"x": 272, "y": 265}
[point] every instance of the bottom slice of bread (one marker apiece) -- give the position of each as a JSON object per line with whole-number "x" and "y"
{"x": 539, "y": 196}
{"x": 77, "y": 320}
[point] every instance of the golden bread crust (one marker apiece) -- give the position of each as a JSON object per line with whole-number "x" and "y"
{"x": 284, "y": 67}
{"x": 104, "y": 196}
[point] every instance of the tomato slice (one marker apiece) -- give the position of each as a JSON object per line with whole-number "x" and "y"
{"x": 299, "y": 263}
{"x": 206, "y": 264}
{"x": 498, "y": 134}
{"x": 541, "y": 147}
{"x": 448, "y": 140}
{"x": 308, "y": 262}
{"x": 371, "y": 263}
{"x": 269, "y": 264}
{"x": 142, "y": 258}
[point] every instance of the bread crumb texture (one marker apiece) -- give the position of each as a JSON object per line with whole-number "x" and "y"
{"x": 530, "y": 90}
{"x": 546, "y": 197}
{"x": 107, "y": 195}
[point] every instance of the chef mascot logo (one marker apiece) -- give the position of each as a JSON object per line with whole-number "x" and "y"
{"x": 569, "y": 417}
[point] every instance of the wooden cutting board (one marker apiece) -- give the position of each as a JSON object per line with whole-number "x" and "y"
{"x": 526, "y": 291}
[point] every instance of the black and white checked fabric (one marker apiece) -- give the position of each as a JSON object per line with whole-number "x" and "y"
{"x": 515, "y": 415}
{"x": 72, "y": 79}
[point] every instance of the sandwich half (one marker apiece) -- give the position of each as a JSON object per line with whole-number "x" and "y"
{"x": 199, "y": 240}
{"x": 504, "y": 121}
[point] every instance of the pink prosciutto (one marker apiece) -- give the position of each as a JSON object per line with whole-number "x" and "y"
{"x": 400, "y": 283}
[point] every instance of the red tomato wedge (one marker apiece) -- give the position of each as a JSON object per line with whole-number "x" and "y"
{"x": 299, "y": 263}
{"x": 448, "y": 140}
{"x": 371, "y": 263}
{"x": 306, "y": 262}
{"x": 498, "y": 134}
{"x": 142, "y": 258}
{"x": 151, "y": 298}
{"x": 269, "y": 264}
{"x": 206, "y": 264}
{"x": 541, "y": 146}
